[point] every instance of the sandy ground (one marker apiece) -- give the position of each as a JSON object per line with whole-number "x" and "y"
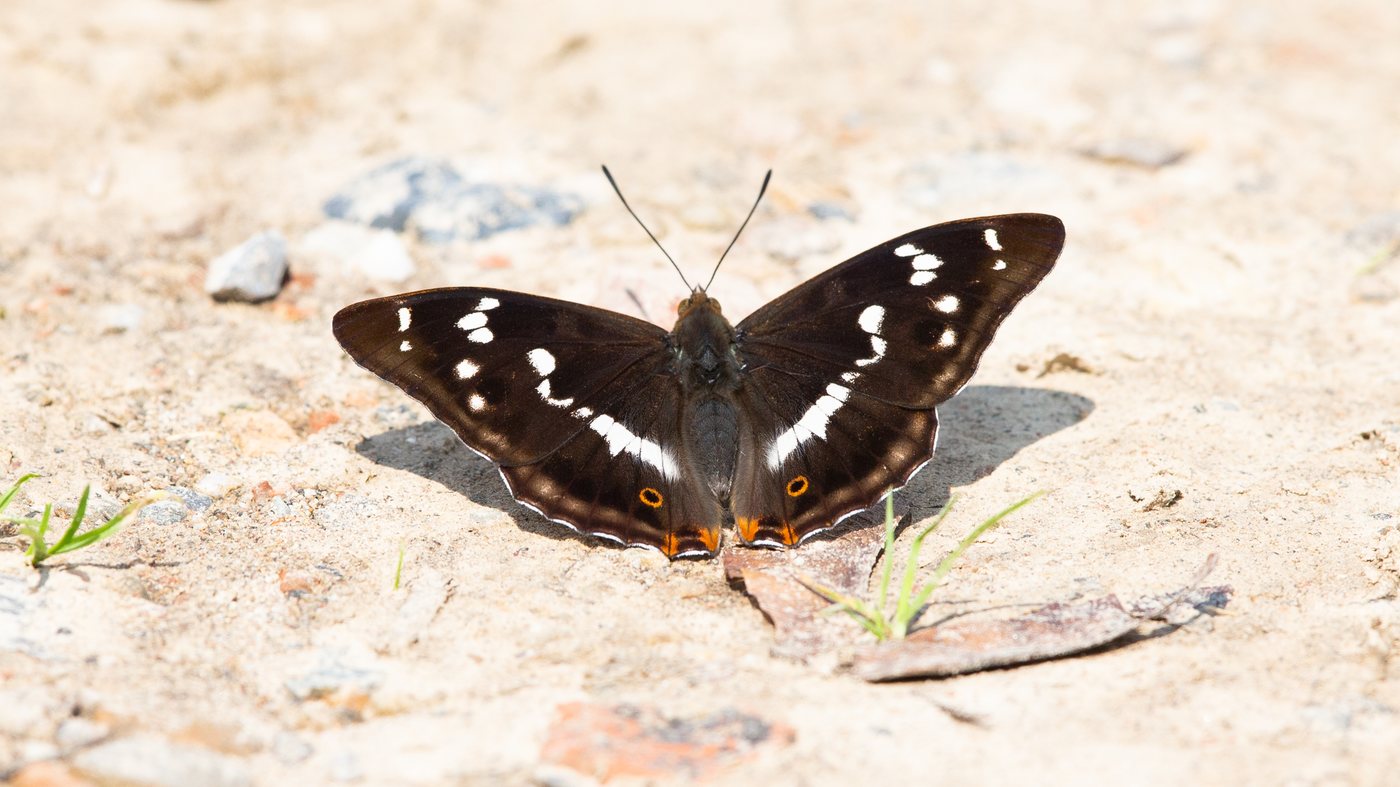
{"x": 1227, "y": 174}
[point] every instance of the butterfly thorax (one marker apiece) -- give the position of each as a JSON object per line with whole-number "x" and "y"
{"x": 707, "y": 368}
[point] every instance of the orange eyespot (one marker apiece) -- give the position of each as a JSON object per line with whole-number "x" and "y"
{"x": 651, "y": 497}
{"x": 797, "y": 486}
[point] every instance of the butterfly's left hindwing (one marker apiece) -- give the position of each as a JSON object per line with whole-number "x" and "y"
{"x": 842, "y": 373}
{"x": 576, "y": 405}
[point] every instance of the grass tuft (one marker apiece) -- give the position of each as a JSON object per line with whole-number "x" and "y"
{"x": 908, "y": 602}
{"x": 36, "y": 530}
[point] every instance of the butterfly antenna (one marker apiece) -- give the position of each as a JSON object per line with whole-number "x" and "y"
{"x": 761, "y": 190}
{"x": 644, "y": 226}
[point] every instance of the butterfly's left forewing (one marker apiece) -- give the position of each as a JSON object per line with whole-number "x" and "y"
{"x": 576, "y": 405}
{"x": 842, "y": 373}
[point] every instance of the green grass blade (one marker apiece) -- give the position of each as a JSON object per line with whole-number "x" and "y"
{"x": 5, "y": 501}
{"x": 904, "y": 611}
{"x": 110, "y": 526}
{"x": 74, "y": 524}
{"x": 889, "y": 555}
{"x": 398, "y": 568}
{"x": 952, "y": 557}
{"x": 38, "y": 549}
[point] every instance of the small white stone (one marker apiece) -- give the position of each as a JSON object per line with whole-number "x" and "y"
{"x": 216, "y": 485}
{"x": 252, "y": 271}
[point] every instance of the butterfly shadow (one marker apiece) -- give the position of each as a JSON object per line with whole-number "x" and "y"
{"x": 983, "y": 427}
{"x": 431, "y": 450}
{"x": 980, "y": 428}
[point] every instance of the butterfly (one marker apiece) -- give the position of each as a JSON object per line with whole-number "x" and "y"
{"x": 809, "y": 410}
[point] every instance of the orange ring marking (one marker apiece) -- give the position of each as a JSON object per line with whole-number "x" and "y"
{"x": 797, "y": 487}
{"x": 651, "y": 497}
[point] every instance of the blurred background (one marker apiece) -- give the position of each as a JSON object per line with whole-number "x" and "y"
{"x": 189, "y": 190}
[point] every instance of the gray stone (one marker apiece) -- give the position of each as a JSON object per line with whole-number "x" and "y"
{"x": 386, "y": 196}
{"x": 193, "y": 500}
{"x": 336, "y": 670}
{"x": 252, "y": 271}
{"x": 433, "y": 198}
{"x": 119, "y": 317}
{"x": 829, "y": 210}
{"x": 165, "y": 512}
{"x": 76, "y": 732}
{"x": 148, "y": 760}
{"x": 1136, "y": 151}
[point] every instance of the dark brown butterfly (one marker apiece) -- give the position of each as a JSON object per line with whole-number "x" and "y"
{"x": 808, "y": 411}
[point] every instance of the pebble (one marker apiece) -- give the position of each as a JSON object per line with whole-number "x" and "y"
{"x": 829, "y": 210}
{"x": 216, "y": 485}
{"x": 192, "y": 499}
{"x": 379, "y": 254}
{"x": 76, "y": 732}
{"x": 336, "y": 670}
{"x": 1136, "y": 151}
{"x": 119, "y": 317}
{"x": 148, "y": 760}
{"x": 433, "y": 198}
{"x": 251, "y": 272}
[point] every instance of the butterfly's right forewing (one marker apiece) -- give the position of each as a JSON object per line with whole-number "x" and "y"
{"x": 576, "y": 405}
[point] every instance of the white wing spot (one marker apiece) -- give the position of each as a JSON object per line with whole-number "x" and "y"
{"x": 948, "y": 339}
{"x": 920, "y": 278}
{"x": 927, "y": 262}
{"x": 405, "y": 346}
{"x": 543, "y": 390}
{"x": 467, "y": 370}
{"x": 476, "y": 403}
{"x": 619, "y": 439}
{"x": 405, "y": 318}
{"x": 812, "y": 424}
{"x": 481, "y": 335}
{"x": 542, "y": 360}
{"x": 992, "y": 242}
{"x": 850, "y": 377}
{"x": 947, "y": 304}
{"x": 472, "y": 321}
{"x": 1000, "y": 265}
{"x": 582, "y": 412}
{"x": 908, "y": 250}
{"x": 487, "y": 304}
{"x": 877, "y": 347}
{"x": 871, "y": 318}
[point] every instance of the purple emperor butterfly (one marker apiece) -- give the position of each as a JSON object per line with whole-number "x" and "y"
{"x": 807, "y": 411}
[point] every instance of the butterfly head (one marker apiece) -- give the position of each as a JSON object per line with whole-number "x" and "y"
{"x": 698, "y": 299}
